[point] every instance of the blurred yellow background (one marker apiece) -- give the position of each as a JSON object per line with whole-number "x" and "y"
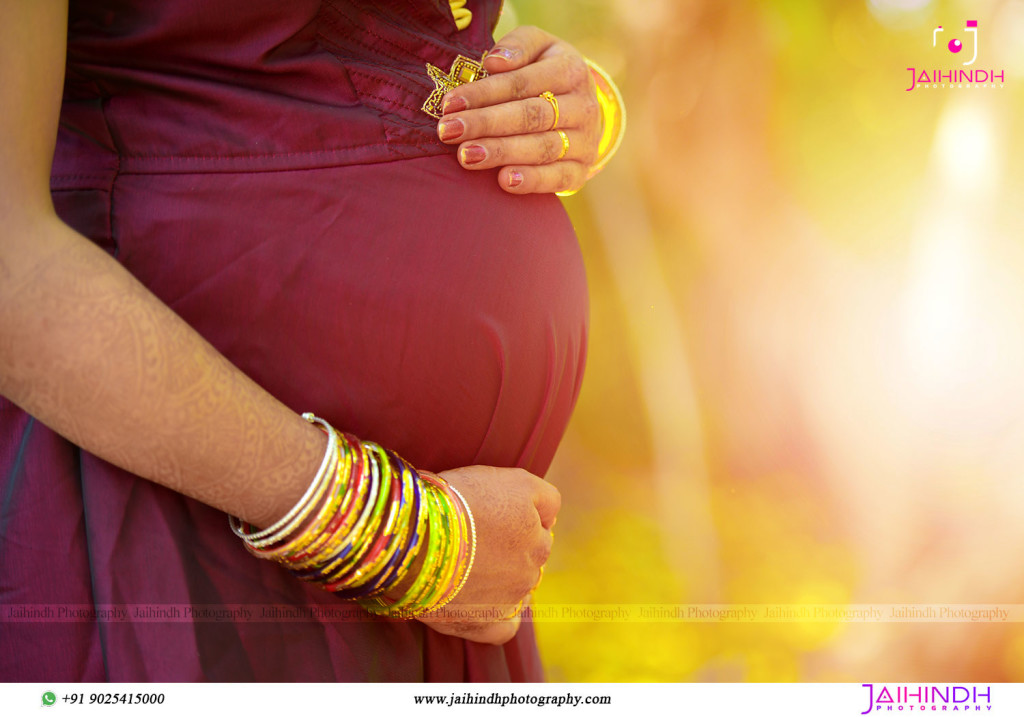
{"x": 806, "y": 372}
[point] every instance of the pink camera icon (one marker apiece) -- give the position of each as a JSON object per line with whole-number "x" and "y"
{"x": 955, "y": 45}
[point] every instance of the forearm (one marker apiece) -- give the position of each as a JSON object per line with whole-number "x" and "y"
{"x": 87, "y": 350}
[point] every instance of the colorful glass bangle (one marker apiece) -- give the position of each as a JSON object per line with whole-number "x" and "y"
{"x": 407, "y": 556}
{"x": 434, "y": 588}
{"x": 421, "y": 583}
{"x": 333, "y": 540}
{"x": 364, "y": 562}
{"x": 324, "y": 525}
{"x": 462, "y": 532}
{"x": 380, "y": 564}
{"x": 468, "y": 515}
{"x": 393, "y": 533}
{"x": 448, "y": 574}
{"x": 362, "y": 524}
{"x": 352, "y": 541}
{"x": 405, "y": 538}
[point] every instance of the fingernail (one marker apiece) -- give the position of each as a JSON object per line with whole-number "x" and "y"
{"x": 508, "y": 55}
{"x": 515, "y": 178}
{"x": 451, "y": 129}
{"x": 473, "y": 154}
{"x": 454, "y": 104}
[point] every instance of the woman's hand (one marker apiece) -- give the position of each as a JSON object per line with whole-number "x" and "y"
{"x": 514, "y": 512}
{"x": 502, "y": 121}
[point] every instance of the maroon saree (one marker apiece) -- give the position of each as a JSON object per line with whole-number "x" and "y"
{"x": 263, "y": 167}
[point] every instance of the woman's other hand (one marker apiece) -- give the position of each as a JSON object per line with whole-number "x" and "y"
{"x": 514, "y": 512}
{"x": 502, "y": 121}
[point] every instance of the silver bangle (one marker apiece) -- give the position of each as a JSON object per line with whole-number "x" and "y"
{"x": 314, "y": 492}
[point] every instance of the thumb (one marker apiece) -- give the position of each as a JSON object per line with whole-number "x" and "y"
{"x": 517, "y": 48}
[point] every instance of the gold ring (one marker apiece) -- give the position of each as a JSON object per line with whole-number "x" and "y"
{"x": 515, "y": 612}
{"x": 539, "y": 578}
{"x": 553, "y": 101}
{"x": 565, "y": 144}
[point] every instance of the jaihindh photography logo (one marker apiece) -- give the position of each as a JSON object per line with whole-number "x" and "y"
{"x": 954, "y": 58}
{"x": 927, "y": 698}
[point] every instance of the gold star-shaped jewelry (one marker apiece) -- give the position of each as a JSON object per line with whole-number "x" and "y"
{"x": 463, "y": 70}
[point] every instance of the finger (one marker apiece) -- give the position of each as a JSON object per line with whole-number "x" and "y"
{"x": 541, "y": 553}
{"x": 494, "y": 633}
{"x": 517, "y": 48}
{"x": 548, "y": 502}
{"x": 567, "y": 176}
{"x": 560, "y": 73}
{"x": 537, "y": 148}
{"x": 498, "y": 633}
{"x": 508, "y": 119}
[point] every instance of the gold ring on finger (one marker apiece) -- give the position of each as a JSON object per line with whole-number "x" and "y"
{"x": 553, "y": 101}
{"x": 565, "y": 144}
{"x": 539, "y": 578}
{"x": 515, "y": 612}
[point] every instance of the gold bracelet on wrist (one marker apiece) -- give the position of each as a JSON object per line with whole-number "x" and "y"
{"x": 613, "y": 121}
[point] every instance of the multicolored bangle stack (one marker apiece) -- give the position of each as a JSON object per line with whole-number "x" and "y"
{"x": 362, "y": 523}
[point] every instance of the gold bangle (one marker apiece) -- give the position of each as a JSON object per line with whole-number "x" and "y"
{"x": 613, "y": 121}
{"x": 613, "y": 115}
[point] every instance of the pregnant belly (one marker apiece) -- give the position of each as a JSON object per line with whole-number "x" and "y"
{"x": 412, "y": 303}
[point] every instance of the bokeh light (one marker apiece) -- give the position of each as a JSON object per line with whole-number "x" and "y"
{"x": 807, "y": 316}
